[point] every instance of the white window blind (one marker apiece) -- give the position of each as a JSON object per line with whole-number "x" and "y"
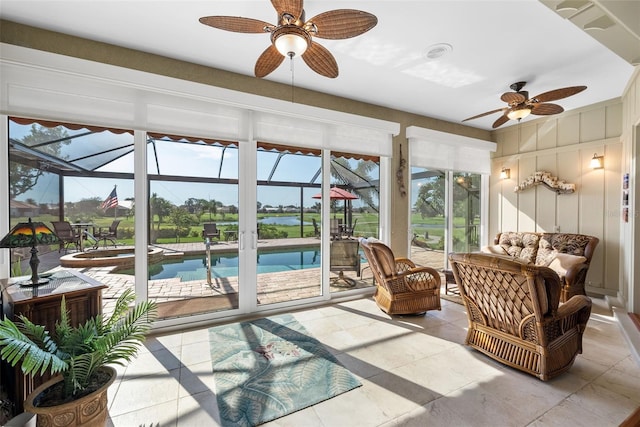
{"x": 445, "y": 151}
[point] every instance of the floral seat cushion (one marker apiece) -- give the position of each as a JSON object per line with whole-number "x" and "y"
{"x": 523, "y": 246}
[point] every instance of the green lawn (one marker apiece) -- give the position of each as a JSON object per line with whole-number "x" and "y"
{"x": 367, "y": 226}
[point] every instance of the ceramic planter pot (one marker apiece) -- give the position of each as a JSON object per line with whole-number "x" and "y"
{"x": 87, "y": 411}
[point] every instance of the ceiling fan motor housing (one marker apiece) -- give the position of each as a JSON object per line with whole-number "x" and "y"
{"x": 517, "y": 86}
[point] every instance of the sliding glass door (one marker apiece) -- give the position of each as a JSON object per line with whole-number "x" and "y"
{"x": 288, "y": 224}
{"x": 446, "y": 214}
{"x": 193, "y": 223}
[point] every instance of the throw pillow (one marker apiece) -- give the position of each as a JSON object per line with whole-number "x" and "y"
{"x": 563, "y": 262}
{"x": 494, "y": 249}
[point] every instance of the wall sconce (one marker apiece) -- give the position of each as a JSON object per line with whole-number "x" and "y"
{"x": 505, "y": 173}
{"x": 597, "y": 162}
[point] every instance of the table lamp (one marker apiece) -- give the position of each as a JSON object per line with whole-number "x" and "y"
{"x": 30, "y": 234}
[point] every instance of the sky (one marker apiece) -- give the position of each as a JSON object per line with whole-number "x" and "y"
{"x": 179, "y": 159}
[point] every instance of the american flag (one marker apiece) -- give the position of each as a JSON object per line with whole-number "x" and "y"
{"x": 111, "y": 201}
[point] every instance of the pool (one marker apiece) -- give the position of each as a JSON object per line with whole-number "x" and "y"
{"x": 223, "y": 265}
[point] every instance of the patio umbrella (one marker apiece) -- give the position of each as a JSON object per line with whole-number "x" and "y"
{"x": 337, "y": 193}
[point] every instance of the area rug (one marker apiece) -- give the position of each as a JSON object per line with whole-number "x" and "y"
{"x": 270, "y": 367}
{"x": 452, "y": 297}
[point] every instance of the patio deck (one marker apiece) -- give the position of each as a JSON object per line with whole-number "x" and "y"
{"x": 177, "y": 297}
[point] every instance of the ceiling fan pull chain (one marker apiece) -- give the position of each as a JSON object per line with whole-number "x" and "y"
{"x": 291, "y": 68}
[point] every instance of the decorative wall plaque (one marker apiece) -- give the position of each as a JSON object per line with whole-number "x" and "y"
{"x": 549, "y": 181}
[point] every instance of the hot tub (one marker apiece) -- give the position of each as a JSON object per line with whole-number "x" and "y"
{"x": 119, "y": 257}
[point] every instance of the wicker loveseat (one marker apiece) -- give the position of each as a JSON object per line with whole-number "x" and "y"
{"x": 402, "y": 287}
{"x": 567, "y": 254}
{"x": 515, "y": 315}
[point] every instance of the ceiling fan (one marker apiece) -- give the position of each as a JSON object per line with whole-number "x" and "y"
{"x": 293, "y": 36}
{"x": 520, "y": 105}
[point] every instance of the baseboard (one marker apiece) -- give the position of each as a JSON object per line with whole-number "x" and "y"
{"x": 628, "y": 327}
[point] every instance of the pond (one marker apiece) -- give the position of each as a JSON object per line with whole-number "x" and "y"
{"x": 282, "y": 220}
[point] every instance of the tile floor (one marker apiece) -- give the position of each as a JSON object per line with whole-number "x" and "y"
{"x": 414, "y": 370}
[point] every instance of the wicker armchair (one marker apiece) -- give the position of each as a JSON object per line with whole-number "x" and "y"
{"x": 515, "y": 314}
{"x": 402, "y": 287}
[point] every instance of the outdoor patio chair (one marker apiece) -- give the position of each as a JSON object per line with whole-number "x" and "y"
{"x": 335, "y": 228}
{"x": 106, "y": 233}
{"x": 344, "y": 256}
{"x": 515, "y": 315}
{"x": 402, "y": 287}
{"x": 348, "y": 231}
{"x": 67, "y": 235}
{"x": 210, "y": 230}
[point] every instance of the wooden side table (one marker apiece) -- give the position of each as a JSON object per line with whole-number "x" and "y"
{"x": 450, "y": 284}
{"x": 83, "y": 297}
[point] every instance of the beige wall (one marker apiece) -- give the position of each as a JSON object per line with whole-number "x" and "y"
{"x": 630, "y": 232}
{"x": 564, "y": 145}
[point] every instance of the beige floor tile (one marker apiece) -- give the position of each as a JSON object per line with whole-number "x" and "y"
{"x": 572, "y": 414}
{"x": 142, "y": 392}
{"x": 587, "y": 369}
{"x": 433, "y": 414}
{"x": 159, "y": 342}
{"x": 395, "y": 395}
{"x": 158, "y": 362}
{"x": 353, "y": 408}
{"x": 621, "y": 381}
{"x": 196, "y": 379}
{"x": 357, "y": 365}
{"x": 198, "y": 410}
{"x": 442, "y": 373}
{"x": 196, "y": 352}
{"x": 527, "y": 396}
{"x": 161, "y": 415}
{"x": 194, "y": 336}
{"x": 415, "y": 371}
{"x": 471, "y": 406}
{"x": 604, "y": 402}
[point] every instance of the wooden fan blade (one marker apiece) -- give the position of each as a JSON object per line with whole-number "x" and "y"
{"x": 292, "y": 7}
{"x": 513, "y": 98}
{"x": 546, "y": 109}
{"x": 236, "y": 24}
{"x": 320, "y": 60}
{"x": 268, "y": 61}
{"x": 342, "y": 23}
{"x": 484, "y": 114}
{"x": 554, "y": 95}
{"x": 501, "y": 120}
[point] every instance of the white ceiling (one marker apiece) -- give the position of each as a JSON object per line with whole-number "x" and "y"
{"x": 495, "y": 43}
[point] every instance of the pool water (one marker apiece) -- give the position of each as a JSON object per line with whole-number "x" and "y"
{"x": 226, "y": 264}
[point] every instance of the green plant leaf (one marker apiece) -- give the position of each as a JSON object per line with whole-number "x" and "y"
{"x": 31, "y": 345}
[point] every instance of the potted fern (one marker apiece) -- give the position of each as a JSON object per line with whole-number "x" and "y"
{"x": 79, "y": 357}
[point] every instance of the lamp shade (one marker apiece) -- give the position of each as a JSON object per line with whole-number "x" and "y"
{"x": 28, "y": 234}
{"x": 597, "y": 162}
{"x": 291, "y": 40}
{"x": 519, "y": 113}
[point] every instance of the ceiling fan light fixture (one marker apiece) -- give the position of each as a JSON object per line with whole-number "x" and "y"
{"x": 291, "y": 40}
{"x": 519, "y": 113}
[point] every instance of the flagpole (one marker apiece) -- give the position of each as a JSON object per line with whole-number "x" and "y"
{"x": 115, "y": 209}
